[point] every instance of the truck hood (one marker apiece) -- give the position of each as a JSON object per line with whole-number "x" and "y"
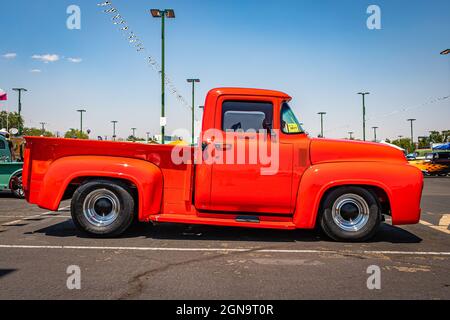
{"x": 327, "y": 150}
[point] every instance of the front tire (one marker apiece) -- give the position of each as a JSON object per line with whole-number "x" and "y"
{"x": 350, "y": 214}
{"x": 102, "y": 208}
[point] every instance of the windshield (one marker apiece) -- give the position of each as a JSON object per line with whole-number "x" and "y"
{"x": 289, "y": 122}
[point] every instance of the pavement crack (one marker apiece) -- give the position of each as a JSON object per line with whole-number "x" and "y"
{"x": 137, "y": 285}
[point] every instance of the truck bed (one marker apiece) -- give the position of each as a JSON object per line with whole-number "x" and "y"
{"x": 41, "y": 152}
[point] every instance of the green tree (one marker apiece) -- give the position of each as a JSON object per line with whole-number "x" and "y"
{"x": 436, "y": 137}
{"x": 10, "y": 119}
{"x": 35, "y": 132}
{"x": 76, "y": 134}
{"x": 134, "y": 139}
{"x": 404, "y": 143}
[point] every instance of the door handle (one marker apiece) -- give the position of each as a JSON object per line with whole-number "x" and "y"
{"x": 223, "y": 146}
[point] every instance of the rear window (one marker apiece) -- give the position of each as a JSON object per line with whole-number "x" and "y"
{"x": 244, "y": 115}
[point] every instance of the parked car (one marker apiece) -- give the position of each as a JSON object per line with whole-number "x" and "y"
{"x": 342, "y": 186}
{"x": 10, "y": 170}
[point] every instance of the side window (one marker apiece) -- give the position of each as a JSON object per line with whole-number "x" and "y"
{"x": 245, "y": 115}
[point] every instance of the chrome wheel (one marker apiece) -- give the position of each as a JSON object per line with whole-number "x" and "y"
{"x": 350, "y": 212}
{"x": 101, "y": 207}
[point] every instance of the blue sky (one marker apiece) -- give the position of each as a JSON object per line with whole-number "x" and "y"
{"x": 320, "y": 52}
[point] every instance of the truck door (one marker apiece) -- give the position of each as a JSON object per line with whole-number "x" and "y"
{"x": 249, "y": 186}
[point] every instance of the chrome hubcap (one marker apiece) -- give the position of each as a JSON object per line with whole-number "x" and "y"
{"x": 350, "y": 212}
{"x": 101, "y": 207}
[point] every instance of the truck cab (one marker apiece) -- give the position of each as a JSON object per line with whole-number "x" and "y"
{"x": 10, "y": 170}
{"x": 254, "y": 167}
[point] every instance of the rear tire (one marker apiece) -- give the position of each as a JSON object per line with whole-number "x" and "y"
{"x": 350, "y": 214}
{"x": 16, "y": 187}
{"x": 102, "y": 208}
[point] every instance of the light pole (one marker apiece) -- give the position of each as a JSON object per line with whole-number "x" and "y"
{"x": 19, "y": 107}
{"x": 375, "y": 133}
{"x": 364, "y": 112}
{"x": 114, "y": 129}
{"x": 163, "y": 14}
{"x": 412, "y": 131}
{"x": 321, "y": 122}
{"x": 350, "y": 133}
{"x": 81, "y": 111}
{"x": 193, "y": 81}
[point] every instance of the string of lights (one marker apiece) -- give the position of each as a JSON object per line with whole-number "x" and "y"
{"x": 136, "y": 43}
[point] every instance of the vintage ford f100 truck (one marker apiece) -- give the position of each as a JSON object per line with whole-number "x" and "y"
{"x": 254, "y": 167}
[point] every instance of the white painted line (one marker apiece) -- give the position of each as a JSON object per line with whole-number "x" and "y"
{"x": 442, "y": 227}
{"x": 36, "y": 216}
{"x": 417, "y": 253}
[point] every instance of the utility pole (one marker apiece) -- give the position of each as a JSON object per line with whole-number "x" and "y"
{"x": 375, "y": 133}
{"x": 19, "y": 107}
{"x": 163, "y": 14}
{"x": 321, "y": 122}
{"x": 81, "y": 111}
{"x": 412, "y": 132}
{"x": 114, "y": 129}
{"x": 193, "y": 81}
{"x": 364, "y": 112}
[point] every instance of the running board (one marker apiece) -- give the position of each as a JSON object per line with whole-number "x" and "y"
{"x": 241, "y": 221}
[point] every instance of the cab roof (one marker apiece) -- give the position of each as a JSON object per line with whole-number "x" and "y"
{"x": 248, "y": 92}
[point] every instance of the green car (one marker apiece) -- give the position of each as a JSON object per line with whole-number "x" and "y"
{"x": 10, "y": 171}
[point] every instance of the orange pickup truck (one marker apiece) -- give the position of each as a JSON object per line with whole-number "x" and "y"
{"x": 254, "y": 167}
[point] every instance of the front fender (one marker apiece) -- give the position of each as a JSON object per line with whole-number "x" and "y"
{"x": 146, "y": 176}
{"x": 402, "y": 183}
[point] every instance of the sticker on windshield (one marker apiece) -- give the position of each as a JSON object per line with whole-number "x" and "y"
{"x": 293, "y": 128}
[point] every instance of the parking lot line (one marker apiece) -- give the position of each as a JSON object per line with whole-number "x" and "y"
{"x": 25, "y": 218}
{"x": 443, "y": 224}
{"x": 416, "y": 253}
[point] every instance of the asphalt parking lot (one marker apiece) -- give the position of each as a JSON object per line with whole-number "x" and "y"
{"x": 203, "y": 262}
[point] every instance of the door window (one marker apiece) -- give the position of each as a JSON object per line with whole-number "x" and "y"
{"x": 242, "y": 116}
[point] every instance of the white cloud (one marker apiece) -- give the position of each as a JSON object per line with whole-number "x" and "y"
{"x": 9, "y": 55}
{"x": 35, "y": 71}
{"x": 75, "y": 60}
{"x": 46, "y": 58}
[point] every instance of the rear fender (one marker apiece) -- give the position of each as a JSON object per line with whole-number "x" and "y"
{"x": 146, "y": 176}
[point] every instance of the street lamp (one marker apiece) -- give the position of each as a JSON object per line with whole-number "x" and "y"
{"x": 364, "y": 112}
{"x": 114, "y": 129}
{"x": 412, "y": 130}
{"x": 19, "y": 91}
{"x": 81, "y": 111}
{"x": 351, "y": 135}
{"x": 375, "y": 133}
{"x": 163, "y": 14}
{"x": 321, "y": 122}
{"x": 193, "y": 81}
